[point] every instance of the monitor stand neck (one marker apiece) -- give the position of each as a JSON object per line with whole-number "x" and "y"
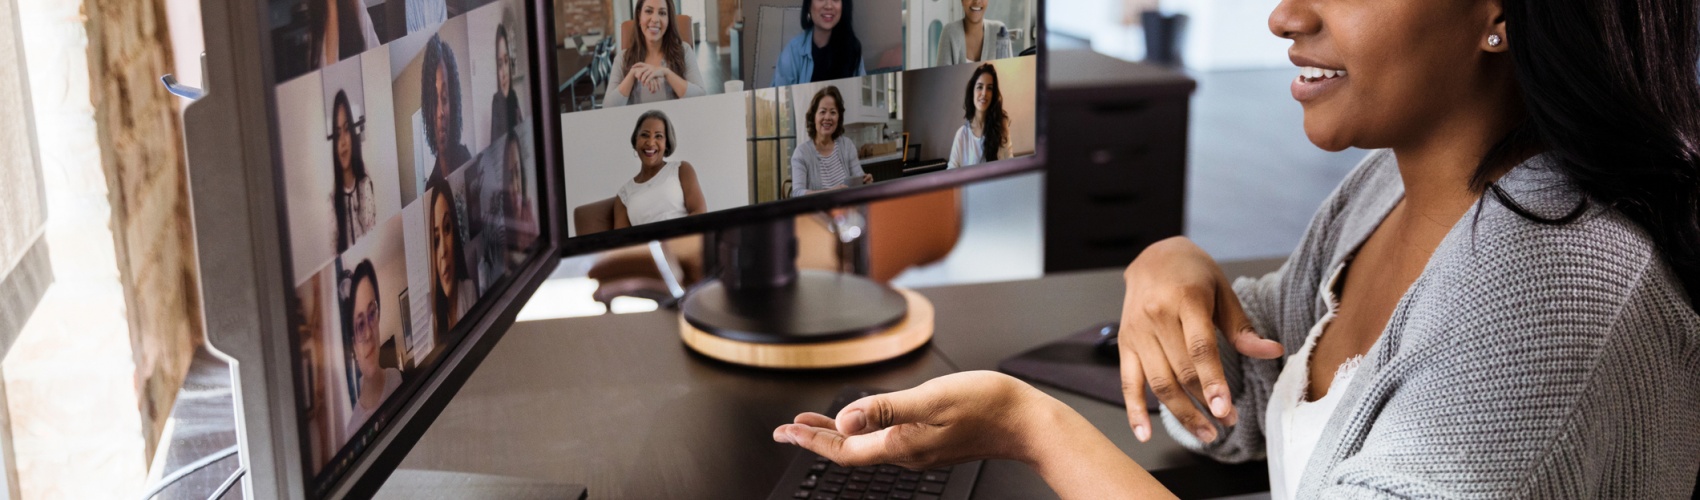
{"x": 761, "y": 297}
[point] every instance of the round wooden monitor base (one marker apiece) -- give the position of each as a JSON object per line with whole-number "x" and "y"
{"x": 907, "y": 335}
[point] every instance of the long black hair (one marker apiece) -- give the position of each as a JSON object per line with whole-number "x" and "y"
{"x": 438, "y": 54}
{"x": 996, "y": 123}
{"x": 1611, "y": 92}
{"x": 356, "y": 162}
{"x": 847, "y": 55}
{"x": 672, "y": 47}
{"x": 436, "y": 187}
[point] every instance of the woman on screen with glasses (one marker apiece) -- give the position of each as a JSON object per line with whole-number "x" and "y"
{"x": 985, "y": 136}
{"x": 355, "y": 204}
{"x": 827, "y": 49}
{"x": 657, "y": 66}
{"x": 828, "y": 160}
{"x": 1499, "y": 302}
{"x": 662, "y": 189}
{"x": 371, "y": 382}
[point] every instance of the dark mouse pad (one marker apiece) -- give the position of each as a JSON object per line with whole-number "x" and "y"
{"x": 1070, "y": 364}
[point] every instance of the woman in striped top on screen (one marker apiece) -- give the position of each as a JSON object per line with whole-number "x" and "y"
{"x": 828, "y": 160}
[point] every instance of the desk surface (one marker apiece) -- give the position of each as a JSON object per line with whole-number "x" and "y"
{"x": 617, "y": 402}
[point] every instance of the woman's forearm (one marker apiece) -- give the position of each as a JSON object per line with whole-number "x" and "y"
{"x": 1078, "y": 462}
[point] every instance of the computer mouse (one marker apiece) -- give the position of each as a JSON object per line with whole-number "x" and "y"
{"x": 1108, "y": 347}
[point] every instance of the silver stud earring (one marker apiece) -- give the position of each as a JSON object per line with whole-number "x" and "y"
{"x": 1493, "y": 40}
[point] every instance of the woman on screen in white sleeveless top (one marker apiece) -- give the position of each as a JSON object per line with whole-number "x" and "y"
{"x": 662, "y": 189}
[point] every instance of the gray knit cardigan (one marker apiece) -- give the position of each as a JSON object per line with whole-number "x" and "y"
{"x": 1527, "y": 361}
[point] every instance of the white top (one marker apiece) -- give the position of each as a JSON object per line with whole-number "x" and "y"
{"x": 966, "y": 149}
{"x": 832, "y": 171}
{"x": 1292, "y": 425}
{"x": 657, "y": 199}
{"x": 392, "y": 381}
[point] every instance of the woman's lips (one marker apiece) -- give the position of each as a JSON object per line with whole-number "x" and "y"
{"x": 1312, "y": 82}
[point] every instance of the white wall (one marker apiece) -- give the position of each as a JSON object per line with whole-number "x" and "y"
{"x": 598, "y": 156}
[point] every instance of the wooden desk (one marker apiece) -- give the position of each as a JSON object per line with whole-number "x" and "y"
{"x": 617, "y": 403}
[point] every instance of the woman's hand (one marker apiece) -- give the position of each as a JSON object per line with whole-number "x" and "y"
{"x": 947, "y": 420}
{"x": 1177, "y": 299}
{"x": 644, "y": 74}
{"x": 867, "y": 179}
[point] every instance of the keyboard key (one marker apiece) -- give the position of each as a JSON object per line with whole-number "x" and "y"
{"x": 905, "y": 485}
{"x": 875, "y": 495}
{"x": 850, "y": 495}
{"x": 833, "y": 477}
{"x": 831, "y": 488}
{"x": 800, "y": 494}
{"x": 932, "y": 488}
{"x": 824, "y": 496}
{"x": 935, "y": 477}
{"x": 902, "y": 495}
{"x": 856, "y": 487}
{"x": 861, "y": 477}
{"x": 866, "y": 469}
{"x": 925, "y": 496}
{"x": 885, "y": 478}
{"x": 808, "y": 484}
{"x": 880, "y": 487}
{"x": 818, "y": 467}
{"x": 890, "y": 469}
{"x": 909, "y": 475}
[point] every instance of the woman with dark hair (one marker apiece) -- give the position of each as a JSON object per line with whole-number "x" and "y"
{"x": 657, "y": 65}
{"x": 339, "y": 29}
{"x": 828, "y": 160}
{"x": 662, "y": 189}
{"x": 370, "y": 382}
{"x": 521, "y": 219}
{"x": 356, "y": 205}
{"x": 973, "y": 38}
{"x": 827, "y": 49}
{"x": 453, "y": 291}
{"x": 439, "y": 97}
{"x": 985, "y": 137}
{"x": 1500, "y": 302}
{"x": 504, "y": 105}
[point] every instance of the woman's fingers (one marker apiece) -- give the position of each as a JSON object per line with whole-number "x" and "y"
{"x": 1207, "y": 364}
{"x": 1168, "y": 389}
{"x": 1232, "y": 320}
{"x": 813, "y": 419}
{"x": 879, "y": 411}
{"x": 1133, "y": 390}
{"x": 1173, "y": 340}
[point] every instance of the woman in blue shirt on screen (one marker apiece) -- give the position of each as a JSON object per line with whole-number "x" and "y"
{"x": 826, "y": 50}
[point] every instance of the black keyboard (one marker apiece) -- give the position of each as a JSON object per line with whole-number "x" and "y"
{"x": 813, "y": 477}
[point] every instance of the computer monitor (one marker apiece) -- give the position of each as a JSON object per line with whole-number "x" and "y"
{"x": 379, "y": 185}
